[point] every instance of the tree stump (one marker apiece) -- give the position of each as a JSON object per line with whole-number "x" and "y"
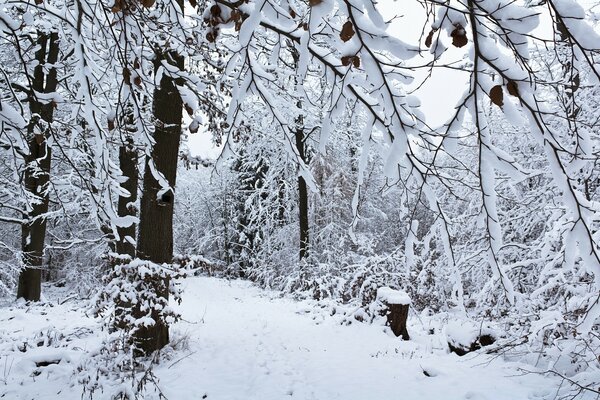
{"x": 395, "y": 308}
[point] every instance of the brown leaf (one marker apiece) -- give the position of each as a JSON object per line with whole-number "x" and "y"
{"x": 193, "y": 3}
{"x": 347, "y": 60}
{"x": 111, "y": 124}
{"x": 497, "y": 95}
{"x": 238, "y": 26}
{"x": 235, "y": 15}
{"x": 429, "y": 38}
{"x": 292, "y": 12}
{"x": 138, "y": 81}
{"x": 189, "y": 110}
{"x": 211, "y": 36}
{"x": 356, "y": 62}
{"x": 136, "y": 63}
{"x": 38, "y": 2}
{"x": 148, "y": 3}
{"x": 115, "y": 8}
{"x": 513, "y": 89}
{"x": 194, "y": 126}
{"x": 313, "y": 3}
{"x": 215, "y": 10}
{"x": 305, "y": 26}
{"x": 347, "y": 31}
{"x": 459, "y": 36}
{"x": 127, "y": 76}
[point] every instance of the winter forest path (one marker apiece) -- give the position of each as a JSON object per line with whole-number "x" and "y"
{"x": 239, "y": 342}
{"x": 246, "y": 343}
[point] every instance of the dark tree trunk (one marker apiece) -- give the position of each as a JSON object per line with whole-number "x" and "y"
{"x": 302, "y": 199}
{"x": 128, "y": 163}
{"x": 155, "y": 235}
{"x": 37, "y": 170}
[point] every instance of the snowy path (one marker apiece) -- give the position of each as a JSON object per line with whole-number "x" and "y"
{"x": 244, "y": 343}
{"x": 248, "y": 345}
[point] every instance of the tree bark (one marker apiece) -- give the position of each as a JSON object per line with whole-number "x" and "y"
{"x": 37, "y": 170}
{"x": 125, "y": 207}
{"x": 302, "y": 199}
{"x": 155, "y": 235}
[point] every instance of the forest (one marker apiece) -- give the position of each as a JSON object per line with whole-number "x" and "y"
{"x": 313, "y": 199}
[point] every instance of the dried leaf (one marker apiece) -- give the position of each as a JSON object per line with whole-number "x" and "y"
{"x": 111, "y": 124}
{"x": 459, "y": 36}
{"x": 115, "y": 8}
{"x": 189, "y": 109}
{"x": 513, "y": 89}
{"x": 215, "y": 10}
{"x": 313, "y": 3}
{"x": 193, "y": 3}
{"x": 148, "y": 3}
{"x": 137, "y": 81}
{"x": 429, "y": 38}
{"x": 347, "y": 60}
{"x": 497, "y": 95}
{"x": 127, "y": 76}
{"x": 356, "y": 62}
{"x": 38, "y": 2}
{"x": 292, "y": 13}
{"x": 236, "y": 15}
{"x": 194, "y": 126}
{"x": 347, "y": 31}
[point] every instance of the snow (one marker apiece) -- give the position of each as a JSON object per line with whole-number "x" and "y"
{"x": 392, "y": 296}
{"x": 241, "y": 342}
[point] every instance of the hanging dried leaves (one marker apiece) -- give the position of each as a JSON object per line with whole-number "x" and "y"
{"x": 429, "y": 38}
{"x": 137, "y": 81}
{"x": 111, "y": 124}
{"x": 38, "y": 2}
{"x": 292, "y": 12}
{"x": 148, "y": 3}
{"x": 459, "y": 36}
{"x": 189, "y": 110}
{"x": 347, "y": 31}
{"x": 497, "y": 95}
{"x": 513, "y": 89}
{"x": 313, "y": 3}
{"x": 193, "y": 3}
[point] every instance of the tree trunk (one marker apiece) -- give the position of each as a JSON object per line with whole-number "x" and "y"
{"x": 155, "y": 235}
{"x": 37, "y": 170}
{"x": 128, "y": 163}
{"x": 302, "y": 199}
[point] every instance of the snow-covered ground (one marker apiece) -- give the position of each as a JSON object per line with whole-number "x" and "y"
{"x": 241, "y": 342}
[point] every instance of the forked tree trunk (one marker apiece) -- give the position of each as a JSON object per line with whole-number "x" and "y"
{"x": 155, "y": 234}
{"x": 37, "y": 170}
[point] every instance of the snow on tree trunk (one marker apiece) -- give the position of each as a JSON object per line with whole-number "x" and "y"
{"x": 155, "y": 235}
{"x": 37, "y": 171}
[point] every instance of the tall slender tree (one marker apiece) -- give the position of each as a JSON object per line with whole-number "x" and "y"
{"x": 38, "y": 161}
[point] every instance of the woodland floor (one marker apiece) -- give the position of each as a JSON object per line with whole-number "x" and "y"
{"x": 240, "y": 342}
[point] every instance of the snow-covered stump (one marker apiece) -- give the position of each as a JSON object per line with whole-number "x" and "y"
{"x": 396, "y": 303}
